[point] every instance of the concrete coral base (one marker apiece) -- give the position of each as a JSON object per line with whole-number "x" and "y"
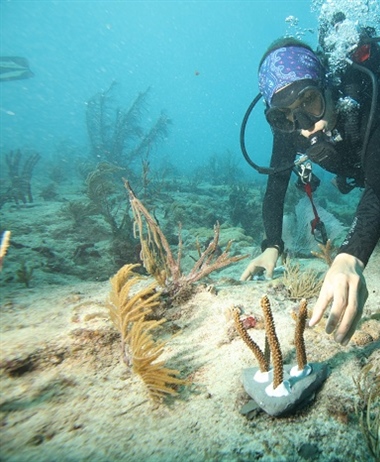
{"x": 301, "y": 389}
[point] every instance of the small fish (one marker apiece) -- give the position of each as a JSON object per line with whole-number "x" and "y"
{"x": 14, "y": 68}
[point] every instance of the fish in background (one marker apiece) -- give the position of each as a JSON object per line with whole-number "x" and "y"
{"x": 14, "y": 68}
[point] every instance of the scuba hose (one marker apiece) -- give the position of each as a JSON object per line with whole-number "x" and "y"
{"x": 264, "y": 170}
{"x": 258, "y": 168}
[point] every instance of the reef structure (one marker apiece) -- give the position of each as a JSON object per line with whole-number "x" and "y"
{"x": 283, "y": 388}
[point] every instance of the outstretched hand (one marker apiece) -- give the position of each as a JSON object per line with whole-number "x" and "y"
{"x": 264, "y": 262}
{"x": 345, "y": 287}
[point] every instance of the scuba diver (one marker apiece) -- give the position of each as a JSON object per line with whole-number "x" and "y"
{"x": 337, "y": 126}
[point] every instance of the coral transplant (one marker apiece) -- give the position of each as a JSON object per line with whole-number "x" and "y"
{"x": 140, "y": 320}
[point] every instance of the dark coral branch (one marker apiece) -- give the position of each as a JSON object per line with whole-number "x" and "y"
{"x": 252, "y": 345}
{"x": 298, "y": 336}
{"x": 20, "y": 189}
{"x": 274, "y": 344}
{"x": 110, "y": 129}
{"x": 127, "y": 127}
{"x": 157, "y": 133}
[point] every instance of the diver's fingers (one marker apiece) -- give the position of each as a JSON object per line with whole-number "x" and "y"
{"x": 251, "y": 270}
{"x": 338, "y": 309}
{"x": 320, "y": 307}
{"x": 269, "y": 271}
{"x": 352, "y": 315}
{"x": 246, "y": 275}
{"x": 347, "y": 326}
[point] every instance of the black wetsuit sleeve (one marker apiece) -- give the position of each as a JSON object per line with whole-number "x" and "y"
{"x": 364, "y": 233}
{"x": 283, "y": 154}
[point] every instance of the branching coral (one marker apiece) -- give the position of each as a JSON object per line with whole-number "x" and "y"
{"x": 101, "y": 192}
{"x": 139, "y": 348}
{"x": 298, "y": 335}
{"x": 158, "y": 257}
{"x": 116, "y": 134}
{"x": 20, "y": 176}
{"x": 261, "y": 357}
{"x": 327, "y": 252}
{"x": 271, "y": 341}
{"x": 274, "y": 344}
{"x": 107, "y": 139}
{"x": 284, "y": 388}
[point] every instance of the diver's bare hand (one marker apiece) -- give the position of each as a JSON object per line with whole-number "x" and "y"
{"x": 264, "y": 262}
{"x": 345, "y": 287}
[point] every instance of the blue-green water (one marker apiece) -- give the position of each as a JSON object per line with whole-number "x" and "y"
{"x": 199, "y": 58}
{"x": 66, "y": 396}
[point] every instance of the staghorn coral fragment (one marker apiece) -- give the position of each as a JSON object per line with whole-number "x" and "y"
{"x": 274, "y": 344}
{"x": 252, "y": 345}
{"x": 20, "y": 177}
{"x": 298, "y": 335}
{"x": 284, "y": 389}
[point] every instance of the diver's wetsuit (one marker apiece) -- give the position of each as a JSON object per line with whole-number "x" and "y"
{"x": 365, "y": 230}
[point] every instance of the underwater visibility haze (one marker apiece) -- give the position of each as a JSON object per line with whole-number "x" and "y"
{"x": 128, "y": 214}
{"x": 199, "y": 59}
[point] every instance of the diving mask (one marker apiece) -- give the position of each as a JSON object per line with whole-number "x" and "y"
{"x": 302, "y": 114}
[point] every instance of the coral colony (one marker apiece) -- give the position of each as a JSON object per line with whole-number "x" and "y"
{"x": 159, "y": 260}
{"x": 281, "y": 389}
{"x": 141, "y": 351}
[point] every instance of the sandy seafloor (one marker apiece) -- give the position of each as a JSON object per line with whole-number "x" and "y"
{"x": 67, "y": 396}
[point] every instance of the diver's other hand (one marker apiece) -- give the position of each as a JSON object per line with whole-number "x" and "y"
{"x": 345, "y": 286}
{"x": 264, "y": 262}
